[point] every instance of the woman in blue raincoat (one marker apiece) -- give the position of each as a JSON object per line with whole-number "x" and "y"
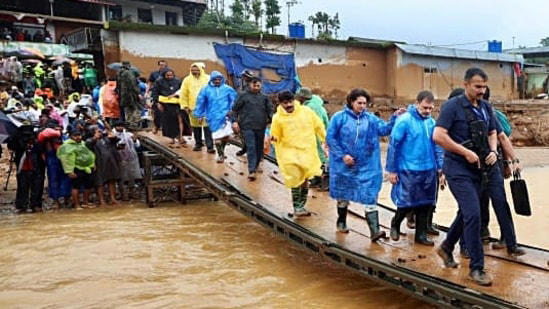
{"x": 355, "y": 162}
{"x": 413, "y": 162}
{"x": 214, "y": 102}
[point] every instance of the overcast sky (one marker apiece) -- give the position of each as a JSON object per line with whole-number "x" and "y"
{"x": 437, "y": 22}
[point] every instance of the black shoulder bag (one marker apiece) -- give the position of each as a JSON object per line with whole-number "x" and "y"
{"x": 519, "y": 191}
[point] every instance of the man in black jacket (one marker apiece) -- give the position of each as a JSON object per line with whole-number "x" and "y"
{"x": 252, "y": 112}
{"x": 30, "y": 169}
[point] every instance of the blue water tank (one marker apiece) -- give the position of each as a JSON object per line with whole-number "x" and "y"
{"x": 495, "y": 46}
{"x": 297, "y": 30}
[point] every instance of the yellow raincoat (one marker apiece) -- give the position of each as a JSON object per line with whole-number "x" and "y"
{"x": 190, "y": 87}
{"x": 295, "y": 144}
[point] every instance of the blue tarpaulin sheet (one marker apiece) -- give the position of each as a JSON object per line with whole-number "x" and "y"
{"x": 237, "y": 58}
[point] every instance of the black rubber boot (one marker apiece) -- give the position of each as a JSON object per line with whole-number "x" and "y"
{"x": 341, "y": 223}
{"x": 410, "y": 220}
{"x": 400, "y": 214}
{"x": 421, "y": 227}
{"x": 373, "y": 223}
{"x": 316, "y": 182}
{"x": 431, "y": 230}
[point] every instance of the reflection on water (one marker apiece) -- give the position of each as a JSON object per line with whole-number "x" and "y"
{"x": 201, "y": 255}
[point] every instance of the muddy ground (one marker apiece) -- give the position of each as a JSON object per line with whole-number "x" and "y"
{"x": 529, "y": 119}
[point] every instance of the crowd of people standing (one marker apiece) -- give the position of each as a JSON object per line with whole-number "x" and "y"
{"x": 460, "y": 149}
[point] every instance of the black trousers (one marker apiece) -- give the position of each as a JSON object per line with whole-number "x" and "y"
{"x": 30, "y": 187}
{"x": 197, "y": 132}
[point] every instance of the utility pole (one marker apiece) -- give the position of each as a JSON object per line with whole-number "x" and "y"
{"x": 513, "y": 42}
{"x": 290, "y": 3}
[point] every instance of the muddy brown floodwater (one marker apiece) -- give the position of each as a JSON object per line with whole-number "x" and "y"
{"x": 200, "y": 255}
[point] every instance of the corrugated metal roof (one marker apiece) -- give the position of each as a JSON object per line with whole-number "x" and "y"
{"x": 458, "y": 53}
{"x": 529, "y": 50}
{"x": 102, "y": 2}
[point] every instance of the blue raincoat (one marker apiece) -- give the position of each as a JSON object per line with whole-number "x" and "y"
{"x": 214, "y": 103}
{"x": 357, "y": 136}
{"x": 415, "y": 157}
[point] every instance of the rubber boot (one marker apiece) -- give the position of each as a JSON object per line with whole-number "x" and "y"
{"x": 373, "y": 223}
{"x": 431, "y": 230}
{"x": 400, "y": 214}
{"x": 341, "y": 223}
{"x": 421, "y": 227}
{"x": 410, "y": 220}
{"x": 316, "y": 182}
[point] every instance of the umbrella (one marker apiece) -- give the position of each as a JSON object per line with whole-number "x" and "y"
{"x": 22, "y": 117}
{"x": 31, "y": 61}
{"x": 7, "y": 128}
{"x": 33, "y": 52}
{"x": 117, "y": 66}
{"x": 26, "y": 53}
{"x": 58, "y": 60}
{"x": 61, "y": 61}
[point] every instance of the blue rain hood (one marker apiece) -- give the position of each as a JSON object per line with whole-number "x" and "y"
{"x": 357, "y": 136}
{"x": 415, "y": 157}
{"x": 214, "y": 75}
{"x": 214, "y": 103}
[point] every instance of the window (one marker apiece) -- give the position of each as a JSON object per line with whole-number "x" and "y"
{"x": 144, "y": 16}
{"x": 115, "y": 12}
{"x": 171, "y": 18}
{"x": 430, "y": 69}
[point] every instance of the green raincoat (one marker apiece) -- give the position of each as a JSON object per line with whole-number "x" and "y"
{"x": 76, "y": 155}
{"x": 317, "y": 105}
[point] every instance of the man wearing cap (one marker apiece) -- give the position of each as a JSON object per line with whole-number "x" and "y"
{"x": 306, "y": 97}
{"x": 128, "y": 93}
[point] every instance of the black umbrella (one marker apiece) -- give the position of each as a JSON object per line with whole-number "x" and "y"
{"x": 7, "y": 128}
{"x": 117, "y": 66}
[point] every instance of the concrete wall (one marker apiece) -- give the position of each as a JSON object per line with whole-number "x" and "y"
{"x": 444, "y": 74}
{"x": 144, "y": 49}
{"x": 330, "y": 70}
{"x": 130, "y": 7}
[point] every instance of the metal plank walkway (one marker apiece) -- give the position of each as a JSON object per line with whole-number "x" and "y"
{"x": 413, "y": 269}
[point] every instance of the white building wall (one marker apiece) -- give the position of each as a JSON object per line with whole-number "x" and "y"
{"x": 158, "y": 11}
{"x": 306, "y": 54}
{"x": 143, "y": 44}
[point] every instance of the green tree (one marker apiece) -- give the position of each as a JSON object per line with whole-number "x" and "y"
{"x": 246, "y": 4}
{"x": 325, "y": 25}
{"x": 210, "y": 20}
{"x": 272, "y": 12}
{"x": 257, "y": 11}
{"x": 237, "y": 10}
{"x": 314, "y": 21}
{"x": 544, "y": 41}
{"x": 335, "y": 24}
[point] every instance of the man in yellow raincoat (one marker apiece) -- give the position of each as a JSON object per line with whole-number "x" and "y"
{"x": 190, "y": 87}
{"x": 294, "y": 130}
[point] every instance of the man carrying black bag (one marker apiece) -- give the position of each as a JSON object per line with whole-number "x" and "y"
{"x": 466, "y": 130}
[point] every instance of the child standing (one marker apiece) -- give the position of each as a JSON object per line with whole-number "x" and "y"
{"x": 78, "y": 162}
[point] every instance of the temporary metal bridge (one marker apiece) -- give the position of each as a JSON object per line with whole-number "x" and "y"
{"x": 416, "y": 270}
